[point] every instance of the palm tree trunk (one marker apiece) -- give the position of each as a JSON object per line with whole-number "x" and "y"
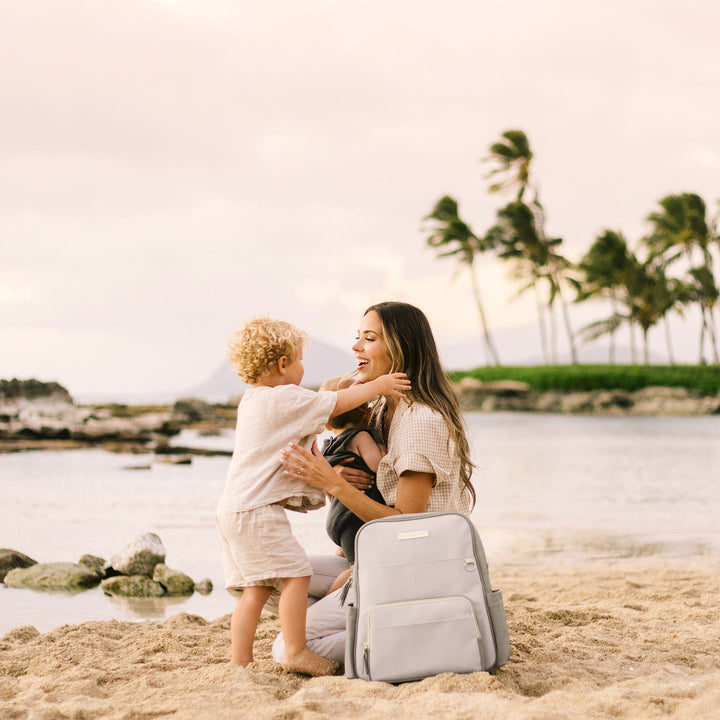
{"x": 568, "y": 327}
{"x": 490, "y": 351}
{"x": 541, "y": 321}
{"x": 701, "y": 303}
{"x": 613, "y": 307}
{"x": 646, "y": 353}
{"x": 633, "y": 349}
{"x": 712, "y": 332}
{"x": 713, "y": 335}
{"x": 553, "y": 333}
{"x": 703, "y": 325}
{"x": 668, "y": 341}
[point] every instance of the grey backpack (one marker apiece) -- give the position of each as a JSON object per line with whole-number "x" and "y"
{"x": 423, "y": 604}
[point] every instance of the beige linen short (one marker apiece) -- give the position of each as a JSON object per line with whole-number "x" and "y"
{"x": 259, "y": 548}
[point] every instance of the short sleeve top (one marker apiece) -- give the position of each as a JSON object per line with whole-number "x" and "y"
{"x": 268, "y": 419}
{"x": 419, "y": 441}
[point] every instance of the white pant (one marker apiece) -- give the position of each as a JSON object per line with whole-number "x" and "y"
{"x": 325, "y": 629}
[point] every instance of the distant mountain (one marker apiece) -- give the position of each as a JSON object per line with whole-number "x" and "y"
{"x": 321, "y": 361}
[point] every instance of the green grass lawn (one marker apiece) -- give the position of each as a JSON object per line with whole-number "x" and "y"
{"x": 702, "y": 378}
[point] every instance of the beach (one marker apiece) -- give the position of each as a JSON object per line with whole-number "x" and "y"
{"x": 602, "y": 534}
{"x": 624, "y": 638}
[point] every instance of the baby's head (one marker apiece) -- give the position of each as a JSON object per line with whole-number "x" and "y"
{"x": 357, "y": 417}
{"x": 255, "y": 349}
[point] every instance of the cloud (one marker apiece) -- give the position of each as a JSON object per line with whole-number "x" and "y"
{"x": 168, "y": 168}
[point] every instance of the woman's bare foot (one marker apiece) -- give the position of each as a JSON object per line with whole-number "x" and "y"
{"x": 309, "y": 663}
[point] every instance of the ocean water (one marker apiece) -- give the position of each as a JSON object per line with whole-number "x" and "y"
{"x": 550, "y": 487}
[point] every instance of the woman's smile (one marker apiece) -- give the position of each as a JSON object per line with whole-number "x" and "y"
{"x": 371, "y": 351}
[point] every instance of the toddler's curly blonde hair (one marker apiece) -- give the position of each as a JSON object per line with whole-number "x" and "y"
{"x": 260, "y": 343}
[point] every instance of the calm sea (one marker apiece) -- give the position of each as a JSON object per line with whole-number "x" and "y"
{"x": 556, "y": 487}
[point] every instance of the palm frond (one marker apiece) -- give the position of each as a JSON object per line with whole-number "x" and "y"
{"x": 601, "y": 327}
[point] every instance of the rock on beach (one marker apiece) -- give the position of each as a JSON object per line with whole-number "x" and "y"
{"x": 138, "y": 558}
{"x": 64, "y": 576}
{"x": 138, "y": 571}
{"x": 11, "y": 559}
{"x": 174, "y": 582}
{"x": 132, "y": 586}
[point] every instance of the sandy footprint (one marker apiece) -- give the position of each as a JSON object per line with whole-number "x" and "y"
{"x": 309, "y": 663}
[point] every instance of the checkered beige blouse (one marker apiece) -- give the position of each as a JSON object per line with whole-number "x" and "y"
{"x": 419, "y": 441}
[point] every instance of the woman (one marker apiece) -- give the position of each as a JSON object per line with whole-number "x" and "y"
{"x": 427, "y": 467}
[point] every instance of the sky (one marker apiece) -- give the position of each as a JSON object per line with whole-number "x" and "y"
{"x": 170, "y": 168}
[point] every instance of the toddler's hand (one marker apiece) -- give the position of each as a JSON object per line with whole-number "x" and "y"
{"x": 395, "y": 384}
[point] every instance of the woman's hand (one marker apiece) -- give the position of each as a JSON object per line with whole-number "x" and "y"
{"x": 413, "y": 490}
{"x": 311, "y": 469}
{"x": 357, "y": 478}
{"x": 315, "y": 470}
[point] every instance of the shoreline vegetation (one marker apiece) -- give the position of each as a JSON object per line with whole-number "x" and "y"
{"x": 37, "y": 415}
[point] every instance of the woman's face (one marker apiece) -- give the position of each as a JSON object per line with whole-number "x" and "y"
{"x": 371, "y": 351}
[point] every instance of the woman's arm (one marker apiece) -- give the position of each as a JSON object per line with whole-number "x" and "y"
{"x": 413, "y": 490}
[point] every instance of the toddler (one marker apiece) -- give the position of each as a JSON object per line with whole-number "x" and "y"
{"x": 259, "y": 550}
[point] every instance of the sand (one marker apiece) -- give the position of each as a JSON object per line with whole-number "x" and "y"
{"x": 630, "y": 638}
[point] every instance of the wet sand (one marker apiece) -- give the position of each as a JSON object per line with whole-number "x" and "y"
{"x": 629, "y": 638}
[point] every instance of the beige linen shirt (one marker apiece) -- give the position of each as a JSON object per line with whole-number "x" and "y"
{"x": 419, "y": 441}
{"x": 268, "y": 419}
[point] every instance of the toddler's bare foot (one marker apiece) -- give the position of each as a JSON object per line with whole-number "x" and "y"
{"x": 250, "y": 665}
{"x": 309, "y": 663}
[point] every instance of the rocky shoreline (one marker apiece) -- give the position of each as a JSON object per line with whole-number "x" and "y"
{"x": 512, "y": 396}
{"x": 36, "y": 416}
{"x": 139, "y": 570}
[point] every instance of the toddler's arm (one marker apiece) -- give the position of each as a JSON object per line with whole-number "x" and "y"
{"x": 364, "y": 445}
{"x": 349, "y": 398}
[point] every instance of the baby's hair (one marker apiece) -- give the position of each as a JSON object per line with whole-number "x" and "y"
{"x": 355, "y": 417}
{"x": 260, "y": 343}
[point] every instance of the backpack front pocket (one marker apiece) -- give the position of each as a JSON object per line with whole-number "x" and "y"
{"x": 412, "y": 640}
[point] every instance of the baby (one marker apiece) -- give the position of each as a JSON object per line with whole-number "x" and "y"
{"x": 259, "y": 550}
{"x": 354, "y": 446}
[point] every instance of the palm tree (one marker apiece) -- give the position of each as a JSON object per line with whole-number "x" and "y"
{"x": 703, "y": 290}
{"x": 454, "y": 238}
{"x": 512, "y": 159}
{"x": 681, "y": 229}
{"x": 679, "y": 294}
{"x": 651, "y": 299}
{"x": 640, "y": 292}
{"x": 515, "y": 236}
{"x": 605, "y": 272}
{"x": 645, "y": 303}
{"x": 559, "y": 273}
